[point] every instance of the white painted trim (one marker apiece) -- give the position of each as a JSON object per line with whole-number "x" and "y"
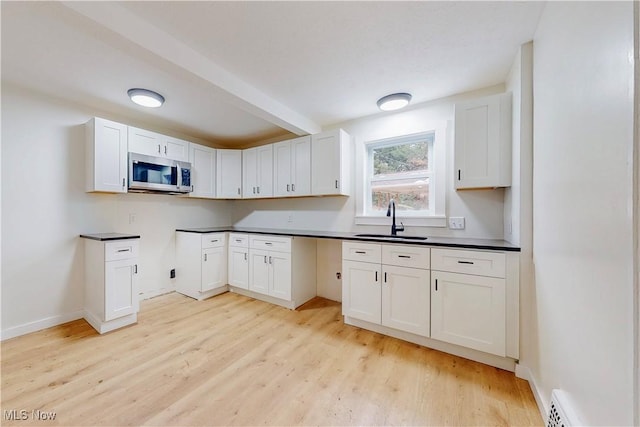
{"x": 524, "y": 373}
{"x": 155, "y": 293}
{"x": 111, "y": 325}
{"x": 38, "y": 325}
{"x": 144, "y": 34}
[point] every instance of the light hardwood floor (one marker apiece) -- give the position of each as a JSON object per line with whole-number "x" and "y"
{"x": 232, "y": 360}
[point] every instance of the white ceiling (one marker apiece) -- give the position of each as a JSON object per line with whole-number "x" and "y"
{"x": 240, "y": 72}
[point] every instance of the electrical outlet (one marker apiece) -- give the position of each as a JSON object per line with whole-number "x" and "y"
{"x": 456, "y": 222}
{"x": 172, "y": 273}
{"x": 290, "y": 218}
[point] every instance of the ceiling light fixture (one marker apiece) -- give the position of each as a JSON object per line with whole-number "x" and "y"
{"x": 395, "y": 101}
{"x": 146, "y": 97}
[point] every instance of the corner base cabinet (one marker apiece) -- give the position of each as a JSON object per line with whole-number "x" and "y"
{"x": 201, "y": 264}
{"x": 282, "y": 270}
{"x": 111, "y": 283}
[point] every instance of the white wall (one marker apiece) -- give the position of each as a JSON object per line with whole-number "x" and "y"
{"x": 45, "y": 208}
{"x": 582, "y": 218}
{"x": 483, "y": 209}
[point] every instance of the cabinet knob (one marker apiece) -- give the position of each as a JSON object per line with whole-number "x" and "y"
{"x": 293, "y": 187}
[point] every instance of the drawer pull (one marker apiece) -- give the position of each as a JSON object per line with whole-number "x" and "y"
{"x": 124, "y": 250}
{"x": 268, "y": 243}
{"x": 361, "y": 252}
{"x": 436, "y": 284}
{"x": 404, "y": 256}
{"x": 135, "y": 269}
{"x": 376, "y": 276}
{"x": 214, "y": 240}
{"x": 288, "y": 186}
{"x": 238, "y": 240}
{"x": 465, "y": 262}
{"x": 385, "y": 277}
{"x": 270, "y": 260}
{"x": 245, "y": 256}
{"x": 205, "y": 257}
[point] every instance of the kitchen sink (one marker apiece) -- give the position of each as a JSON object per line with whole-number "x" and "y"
{"x": 390, "y": 236}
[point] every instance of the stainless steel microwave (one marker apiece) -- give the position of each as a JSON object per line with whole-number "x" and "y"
{"x": 157, "y": 174}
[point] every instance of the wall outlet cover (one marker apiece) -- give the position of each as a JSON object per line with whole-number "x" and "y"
{"x": 456, "y": 223}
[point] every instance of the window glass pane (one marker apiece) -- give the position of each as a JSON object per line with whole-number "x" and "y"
{"x": 410, "y": 193}
{"x": 406, "y": 157}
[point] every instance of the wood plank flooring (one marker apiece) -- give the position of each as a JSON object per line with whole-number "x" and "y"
{"x": 232, "y": 360}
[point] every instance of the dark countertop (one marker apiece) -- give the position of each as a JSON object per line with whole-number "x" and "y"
{"x": 109, "y": 236}
{"x": 453, "y": 242}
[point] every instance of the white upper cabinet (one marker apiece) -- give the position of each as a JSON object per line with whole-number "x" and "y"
{"x": 292, "y": 167}
{"x": 257, "y": 176}
{"x": 228, "y": 174}
{"x": 330, "y": 161}
{"x": 482, "y": 153}
{"x": 203, "y": 171}
{"x": 154, "y": 144}
{"x": 106, "y": 156}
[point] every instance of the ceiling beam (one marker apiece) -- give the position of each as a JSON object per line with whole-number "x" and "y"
{"x": 234, "y": 90}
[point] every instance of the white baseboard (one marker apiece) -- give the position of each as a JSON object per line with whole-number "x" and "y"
{"x": 525, "y": 373}
{"x": 38, "y": 325}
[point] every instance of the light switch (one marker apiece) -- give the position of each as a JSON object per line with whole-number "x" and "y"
{"x": 456, "y": 222}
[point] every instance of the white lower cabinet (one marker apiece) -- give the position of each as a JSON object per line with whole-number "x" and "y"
{"x": 361, "y": 294}
{"x": 111, "y": 283}
{"x": 282, "y": 270}
{"x": 201, "y": 264}
{"x": 405, "y": 299}
{"x": 469, "y": 309}
{"x": 238, "y": 270}
{"x": 395, "y": 296}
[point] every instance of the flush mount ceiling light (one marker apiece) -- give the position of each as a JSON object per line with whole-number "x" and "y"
{"x": 395, "y": 101}
{"x": 145, "y": 97}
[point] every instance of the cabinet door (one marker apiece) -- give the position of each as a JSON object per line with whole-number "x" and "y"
{"x": 482, "y": 153}
{"x": 239, "y": 267}
{"x": 120, "y": 288}
{"x": 109, "y": 156}
{"x": 229, "y": 174}
{"x": 469, "y": 311}
{"x": 325, "y": 163}
{"x": 282, "y": 161}
{"x": 214, "y": 268}
{"x": 406, "y": 299}
{"x": 264, "y": 160}
{"x": 280, "y": 275}
{"x": 361, "y": 294}
{"x": 203, "y": 171}
{"x": 301, "y": 166}
{"x": 249, "y": 173}
{"x": 145, "y": 142}
{"x": 175, "y": 149}
{"x": 259, "y": 271}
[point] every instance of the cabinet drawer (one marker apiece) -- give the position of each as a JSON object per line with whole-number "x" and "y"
{"x": 271, "y": 243}
{"x": 406, "y": 256}
{"x": 491, "y": 264}
{"x": 213, "y": 240}
{"x": 238, "y": 240}
{"x": 365, "y": 252}
{"x": 121, "y": 249}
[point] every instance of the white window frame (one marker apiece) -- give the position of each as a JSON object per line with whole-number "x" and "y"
{"x": 370, "y": 146}
{"x": 436, "y": 216}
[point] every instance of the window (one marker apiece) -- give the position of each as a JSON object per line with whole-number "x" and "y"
{"x": 401, "y": 169}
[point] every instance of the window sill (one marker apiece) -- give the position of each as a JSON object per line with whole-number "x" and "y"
{"x": 425, "y": 221}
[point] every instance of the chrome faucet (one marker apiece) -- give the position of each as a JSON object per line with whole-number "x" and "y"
{"x": 394, "y": 228}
